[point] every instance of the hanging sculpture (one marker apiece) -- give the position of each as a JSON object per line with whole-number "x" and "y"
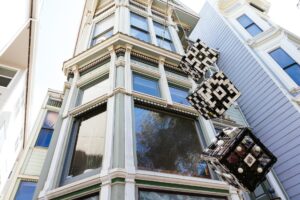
{"x": 214, "y": 96}
{"x": 198, "y": 60}
{"x": 239, "y": 158}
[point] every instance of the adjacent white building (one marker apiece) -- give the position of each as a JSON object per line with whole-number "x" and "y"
{"x": 17, "y": 50}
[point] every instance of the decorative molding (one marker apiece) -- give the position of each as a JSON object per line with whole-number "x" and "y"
{"x": 93, "y": 75}
{"x": 94, "y": 63}
{"x": 88, "y": 106}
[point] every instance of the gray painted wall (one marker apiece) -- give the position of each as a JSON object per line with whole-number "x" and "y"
{"x": 270, "y": 114}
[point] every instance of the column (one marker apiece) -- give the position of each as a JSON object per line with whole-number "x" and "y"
{"x": 57, "y": 163}
{"x": 107, "y": 158}
{"x": 163, "y": 82}
{"x": 128, "y": 109}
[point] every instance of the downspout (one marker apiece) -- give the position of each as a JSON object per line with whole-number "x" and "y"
{"x": 28, "y": 75}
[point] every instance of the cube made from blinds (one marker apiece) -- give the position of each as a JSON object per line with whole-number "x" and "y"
{"x": 214, "y": 96}
{"x": 198, "y": 59}
{"x": 239, "y": 158}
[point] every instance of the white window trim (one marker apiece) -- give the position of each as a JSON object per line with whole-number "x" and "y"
{"x": 12, "y": 79}
{"x": 264, "y": 26}
{"x": 109, "y": 13}
{"x": 277, "y": 71}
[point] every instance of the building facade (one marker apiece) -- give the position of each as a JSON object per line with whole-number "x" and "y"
{"x": 262, "y": 59}
{"x": 16, "y": 68}
{"x": 27, "y": 170}
{"x": 124, "y": 130}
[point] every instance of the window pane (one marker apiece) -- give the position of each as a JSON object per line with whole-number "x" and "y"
{"x": 281, "y": 57}
{"x": 146, "y": 85}
{"x": 103, "y": 36}
{"x": 294, "y": 72}
{"x": 89, "y": 148}
{"x": 50, "y": 120}
{"x": 104, "y": 25}
{"x": 179, "y": 94}
{"x": 254, "y": 30}
{"x": 164, "y": 195}
{"x": 25, "y": 191}
{"x": 98, "y": 89}
{"x": 166, "y": 44}
{"x": 44, "y": 138}
{"x": 4, "y": 81}
{"x": 89, "y": 197}
{"x": 167, "y": 143}
{"x": 141, "y": 35}
{"x": 244, "y": 20}
{"x": 138, "y": 21}
{"x": 162, "y": 31}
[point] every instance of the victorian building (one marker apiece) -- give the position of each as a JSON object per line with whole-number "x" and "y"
{"x": 124, "y": 129}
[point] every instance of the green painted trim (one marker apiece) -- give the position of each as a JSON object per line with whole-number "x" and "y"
{"x": 180, "y": 186}
{"x": 78, "y": 192}
{"x": 118, "y": 180}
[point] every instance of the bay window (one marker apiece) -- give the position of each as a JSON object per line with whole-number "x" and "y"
{"x": 248, "y": 24}
{"x": 26, "y": 190}
{"x": 168, "y": 143}
{"x": 179, "y": 94}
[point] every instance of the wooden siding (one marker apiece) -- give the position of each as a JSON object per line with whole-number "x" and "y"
{"x": 269, "y": 112}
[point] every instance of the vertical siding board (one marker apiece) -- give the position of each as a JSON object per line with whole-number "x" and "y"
{"x": 265, "y": 106}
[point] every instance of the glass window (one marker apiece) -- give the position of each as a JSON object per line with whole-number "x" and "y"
{"x": 146, "y": 85}
{"x": 139, "y": 27}
{"x": 103, "y": 30}
{"x": 95, "y": 89}
{"x": 249, "y": 25}
{"x": 163, "y": 36}
{"x": 287, "y": 63}
{"x": 47, "y": 129}
{"x": 168, "y": 143}
{"x": 25, "y": 191}
{"x": 90, "y": 141}
{"x": 166, "y": 195}
{"x": 6, "y": 75}
{"x": 90, "y": 197}
{"x": 179, "y": 94}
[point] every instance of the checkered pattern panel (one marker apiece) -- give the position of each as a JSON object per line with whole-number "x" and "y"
{"x": 198, "y": 59}
{"x": 214, "y": 96}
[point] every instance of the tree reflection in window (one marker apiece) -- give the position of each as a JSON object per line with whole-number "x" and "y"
{"x": 168, "y": 143}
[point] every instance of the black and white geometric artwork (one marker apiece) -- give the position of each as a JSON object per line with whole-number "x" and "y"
{"x": 198, "y": 59}
{"x": 214, "y": 96}
{"x": 239, "y": 158}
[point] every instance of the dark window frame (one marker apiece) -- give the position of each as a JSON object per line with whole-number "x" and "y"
{"x": 73, "y": 134}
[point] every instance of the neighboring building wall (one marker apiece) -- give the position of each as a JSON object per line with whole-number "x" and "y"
{"x": 269, "y": 96}
{"x": 28, "y": 168}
